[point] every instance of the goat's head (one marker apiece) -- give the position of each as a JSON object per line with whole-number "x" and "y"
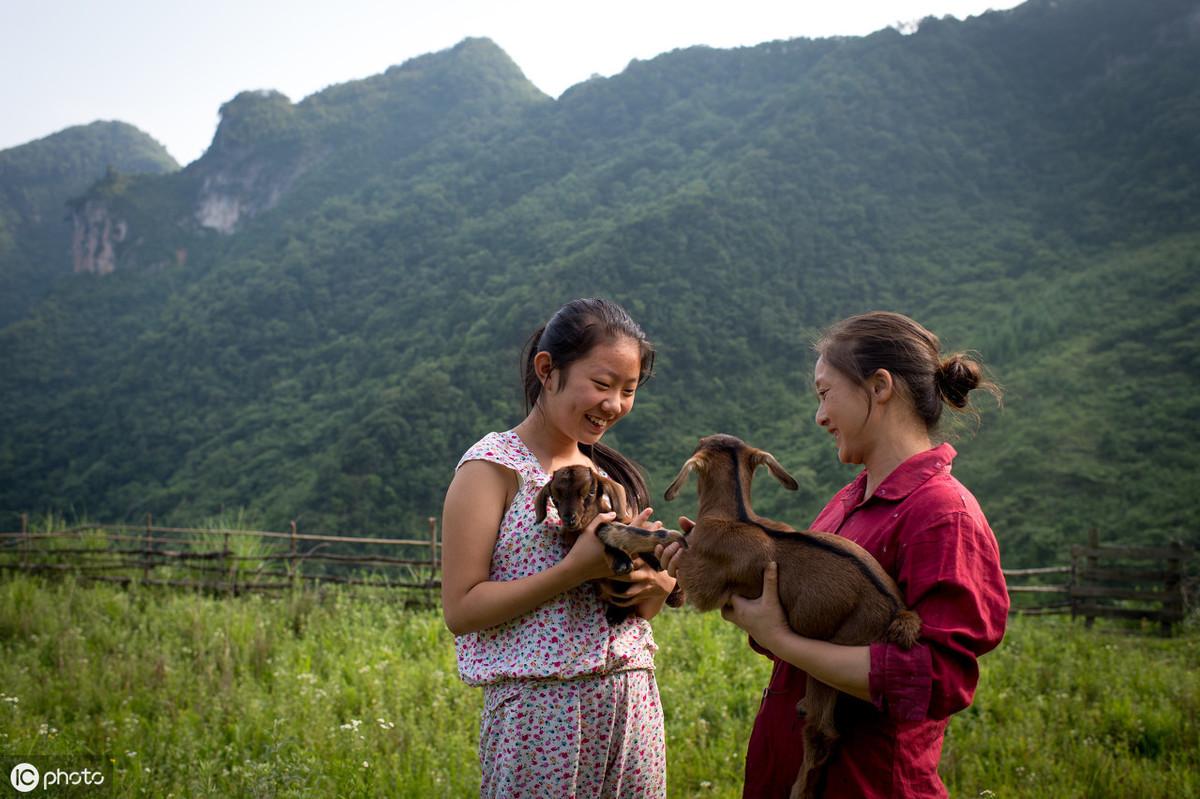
{"x": 579, "y": 493}
{"x": 723, "y": 460}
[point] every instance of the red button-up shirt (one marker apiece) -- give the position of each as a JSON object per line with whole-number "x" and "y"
{"x": 929, "y": 534}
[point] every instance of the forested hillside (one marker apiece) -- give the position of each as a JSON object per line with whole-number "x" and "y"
{"x": 317, "y": 317}
{"x": 36, "y": 181}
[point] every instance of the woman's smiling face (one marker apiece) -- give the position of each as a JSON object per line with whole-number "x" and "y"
{"x": 844, "y": 411}
{"x": 596, "y": 391}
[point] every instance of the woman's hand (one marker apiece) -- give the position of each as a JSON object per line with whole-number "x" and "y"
{"x": 643, "y": 583}
{"x": 640, "y": 585}
{"x": 587, "y": 559}
{"x": 671, "y": 555}
{"x": 762, "y": 618}
{"x": 644, "y": 586}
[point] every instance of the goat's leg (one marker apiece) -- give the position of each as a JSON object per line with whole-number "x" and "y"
{"x": 636, "y": 540}
{"x": 818, "y": 706}
{"x": 620, "y": 562}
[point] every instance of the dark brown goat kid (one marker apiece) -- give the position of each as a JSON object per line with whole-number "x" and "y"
{"x": 830, "y": 588}
{"x": 580, "y": 494}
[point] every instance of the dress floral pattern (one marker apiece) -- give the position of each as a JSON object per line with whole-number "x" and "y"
{"x": 568, "y": 636}
{"x": 571, "y": 707}
{"x": 590, "y": 738}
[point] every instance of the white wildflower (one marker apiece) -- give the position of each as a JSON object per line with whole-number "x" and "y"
{"x": 352, "y": 725}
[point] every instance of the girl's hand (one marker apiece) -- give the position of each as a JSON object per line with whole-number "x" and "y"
{"x": 672, "y": 555}
{"x": 640, "y": 585}
{"x": 642, "y": 520}
{"x": 587, "y": 559}
{"x": 762, "y": 618}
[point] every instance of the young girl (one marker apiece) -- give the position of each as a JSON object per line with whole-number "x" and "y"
{"x": 571, "y": 707}
{"x": 882, "y": 384}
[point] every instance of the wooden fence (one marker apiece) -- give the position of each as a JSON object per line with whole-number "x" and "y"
{"x": 1111, "y": 582}
{"x": 225, "y": 560}
{"x": 1102, "y": 581}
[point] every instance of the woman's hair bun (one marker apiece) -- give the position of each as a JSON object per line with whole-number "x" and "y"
{"x": 957, "y": 376}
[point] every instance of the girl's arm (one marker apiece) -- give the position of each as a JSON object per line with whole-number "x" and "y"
{"x": 475, "y": 505}
{"x": 846, "y": 668}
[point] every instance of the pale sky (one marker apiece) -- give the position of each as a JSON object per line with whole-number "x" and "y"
{"x": 166, "y": 66}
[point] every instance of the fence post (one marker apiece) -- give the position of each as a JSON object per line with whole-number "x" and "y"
{"x": 433, "y": 548}
{"x": 292, "y": 558}
{"x": 1093, "y": 563}
{"x": 1172, "y": 609}
{"x": 25, "y": 541}
{"x": 146, "y": 554}
{"x": 232, "y": 565}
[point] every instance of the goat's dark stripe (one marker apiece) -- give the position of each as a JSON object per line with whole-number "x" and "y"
{"x": 743, "y": 513}
{"x": 744, "y": 516}
{"x": 809, "y": 540}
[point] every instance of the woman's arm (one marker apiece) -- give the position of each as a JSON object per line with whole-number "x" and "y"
{"x": 846, "y": 668}
{"x": 475, "y": 505}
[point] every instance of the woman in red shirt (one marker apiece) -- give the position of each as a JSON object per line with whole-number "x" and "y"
{"x": 882, "y": 384}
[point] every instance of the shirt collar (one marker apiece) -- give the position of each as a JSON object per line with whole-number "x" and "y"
{"x": 906, "y": 478}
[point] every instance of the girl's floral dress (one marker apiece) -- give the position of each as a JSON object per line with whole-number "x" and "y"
{"x": 571, "y": 707}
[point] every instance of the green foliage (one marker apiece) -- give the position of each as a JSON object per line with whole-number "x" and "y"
{"x": 1025, "y": 183}
{"x": 36, "y": 182}
{"x": 347, "y": 694}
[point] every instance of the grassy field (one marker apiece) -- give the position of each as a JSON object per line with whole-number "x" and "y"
{"x": 351, "y": 695}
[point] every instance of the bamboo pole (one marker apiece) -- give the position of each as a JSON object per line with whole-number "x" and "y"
{"x": 232, "y": 566}
{"x": 433, "y": 548}
{"x": 25, "y": 542}
{"x": 292, "y": 557}
{"x": 146, "y": 562}
{"x": 1092, "y": 565}
{"x": 1173, "y": 586}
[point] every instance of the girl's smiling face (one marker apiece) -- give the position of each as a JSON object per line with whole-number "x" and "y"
{"x": 844, "y": 411}
{"x": 594, "y": 393}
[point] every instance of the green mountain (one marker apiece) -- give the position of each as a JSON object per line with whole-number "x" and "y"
{"x": 36, "y": 181}
{"x": 318, "y": 316}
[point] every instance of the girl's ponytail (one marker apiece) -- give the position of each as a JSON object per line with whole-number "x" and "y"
{"x": 622, "y": 470}
{"x": 529, "y": 379}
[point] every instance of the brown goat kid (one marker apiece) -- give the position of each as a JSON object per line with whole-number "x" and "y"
{"x": 830, "y": 588}
{"x": 580, "y": 494}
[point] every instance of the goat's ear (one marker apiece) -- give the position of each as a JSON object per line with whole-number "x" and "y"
{"x": 614, "y": 492}
{"x": 539, "y": 503}
{"x": 676, "y": 484}
{"x": 760, "y": 457}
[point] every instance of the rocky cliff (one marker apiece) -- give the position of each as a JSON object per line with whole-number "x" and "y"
{"x": 96, "y": 234}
